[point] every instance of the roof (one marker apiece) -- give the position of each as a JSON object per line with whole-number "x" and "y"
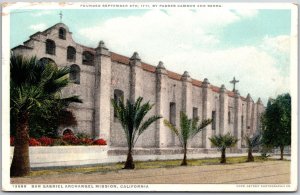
{"x": 21, "y": 47}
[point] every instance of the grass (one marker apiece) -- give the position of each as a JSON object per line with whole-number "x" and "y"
{"x": 141, "y": 165}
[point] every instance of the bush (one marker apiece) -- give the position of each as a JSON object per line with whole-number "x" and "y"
{"x": 82, "y": 135}
{"x": 34, "y": 142}
{"x": 86, "y": 141}
{"x": 71, "y": 139}
{"x": 99, "y": 142}
{"x": 62, "y": 141}
{"x": 59, "y": 142}
{"x": 46, "y": 141}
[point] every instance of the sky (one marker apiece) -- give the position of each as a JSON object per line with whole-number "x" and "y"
{"x": 251, "y": 44}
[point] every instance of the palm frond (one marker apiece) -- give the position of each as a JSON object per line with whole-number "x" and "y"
{"x": 131, "y": 118}
{"x": 174, "y": 130}
{"x": 148, "y": 122}
{"x": 145, "y": 125}
{"x": 253, "y": 141}
{"x": 223, "y": 141}
{"x": 204, "y": 123}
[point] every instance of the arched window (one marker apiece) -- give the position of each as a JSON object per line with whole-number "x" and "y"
{"x": 62, "y": 33}
{"x": 68, "y": 132}
{"x": 71, "y": 54}
{"x": 50, "y": 47}
{"x": 75, "y": 74}
{"x": 87, "y": 58}
{"x": 118, "y": 95}
{"x": 44, "y": 61}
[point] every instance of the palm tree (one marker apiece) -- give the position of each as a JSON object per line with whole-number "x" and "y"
{"x": 189, "y": 129}
{"x": 32, "y": 86}
{"x": 252, "y": 142}
{"x": 223, "y": 142}
{"x": 131, "y": 118}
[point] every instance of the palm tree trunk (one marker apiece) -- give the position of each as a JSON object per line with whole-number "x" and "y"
{"x": 223, "y": 156}
{"x": 250, "y": 156}
{"x": 184, "y": 162}
{"x": 281, "y": 152}
{"x": 129, "y": 161}
{"x": 20, "y": 164}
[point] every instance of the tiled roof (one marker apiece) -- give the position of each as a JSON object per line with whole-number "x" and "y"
{"x": 215, "y": 88}
{"x": 174, "y": 75}
{"x": 148, "y": 67}
{"x": 119, "y": 58}
{"x": 196, "y": 83}
{"x": 22, "y": 47}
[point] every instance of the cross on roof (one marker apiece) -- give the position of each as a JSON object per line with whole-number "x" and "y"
{"x": 234, "y": 82}
{"x": 60, "y": 16}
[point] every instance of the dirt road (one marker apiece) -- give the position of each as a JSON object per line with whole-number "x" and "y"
{"x": 275, "y": 172}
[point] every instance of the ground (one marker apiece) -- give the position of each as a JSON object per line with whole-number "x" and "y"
{"x": 274, "y": 172}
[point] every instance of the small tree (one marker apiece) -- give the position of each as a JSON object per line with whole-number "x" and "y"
{"x": 223, "y": 142}
{"x": 189, "y": 129}
{"x": 276, "y": 123}
{"x": 131, "y": 118}
{"x": 251, "y": 142}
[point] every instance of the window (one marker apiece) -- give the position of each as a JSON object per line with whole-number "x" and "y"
{"x": 50, "y": 47}
{"x": 118, "y": 95}
{"x": 71, "y": 54}
{"x": 242, "y": 130}
{"x": 43, "y": 61}
{"x": 229, "y": 117}
{"x": 213, "y": 116}
{"x": 242, "y": 122}
{"x": 195, "y": 113}
{"x": 173, "y": 113}
{"x": 62, "y": 33}
{"x": 87, "y": 58}
{"x": 75, "y": 74}
{"x": 68, "y": 132}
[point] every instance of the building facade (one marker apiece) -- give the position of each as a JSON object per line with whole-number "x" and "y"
{"x": 98, "y": 75}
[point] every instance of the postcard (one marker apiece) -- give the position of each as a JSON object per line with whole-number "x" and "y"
{"x": 149, "y": 96}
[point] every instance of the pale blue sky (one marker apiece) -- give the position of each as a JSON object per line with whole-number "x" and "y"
{"x": 248, "y": 31}
{"x": 218, "y": 45}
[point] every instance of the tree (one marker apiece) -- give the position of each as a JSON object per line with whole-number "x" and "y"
{"x": 32, "y": 86}
{"x": 188, "y": 129}
{"x": 276, "y": 123}
{"x": 223, "y": 142}
{"x": 131, "y": 118}
{"x": 251, "y": 142}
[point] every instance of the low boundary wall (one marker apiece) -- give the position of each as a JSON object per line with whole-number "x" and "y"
{"x": 68, "y": 156}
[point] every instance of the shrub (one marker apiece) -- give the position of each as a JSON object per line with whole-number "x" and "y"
{"x": 46, "y": 141}
{"x": 34, "y": 142}
{"x": 86, "y": 141}
{"x": 59, "y": 142}
{"x": 71, "y": 139}
{"x": 65, "y": 140}
{"x": 82, "y": 135}
{"x": 99, "y": 142}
